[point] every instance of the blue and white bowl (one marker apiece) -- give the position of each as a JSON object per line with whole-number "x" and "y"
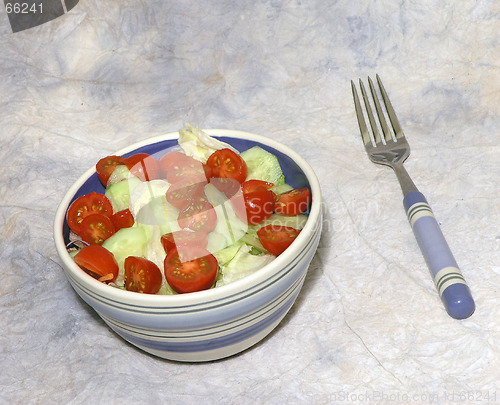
{"x": 212, "y": 324}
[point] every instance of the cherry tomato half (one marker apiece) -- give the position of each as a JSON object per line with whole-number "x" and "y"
{"x": 106, "y": 166}
{"x": 97, "y": 262}
{"x": 122, "y": 219}
{"x": 175, "y": 239}
{"x": 144, "y": 166}
{"x": 177, "y": 167}
{"x": 178, "y": 194}
{"x": 197, "y": 215}
{"x": 226, "y": 185}
{"x": 226, "y": 163}
{"x": 259, "y": 205}
{"x": 142, "y": 275}
{"x": 170, "y": 159}
{"x": 190, "y": 270}
{"x": 276, "y": 238}
{"x": 254, "y": 185}
{"x": 93, "y": 203}
{"x": 96, "y": 228}
{"x": 293, "y": 202}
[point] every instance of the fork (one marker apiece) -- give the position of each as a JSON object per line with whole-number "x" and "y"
{"x": 391, "y": 148}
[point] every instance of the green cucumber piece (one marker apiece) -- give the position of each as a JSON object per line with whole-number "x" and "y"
{"x": 282, "y": 188}
{"x": 119, "y": 193}
{"x": 263, "y": 165}
{"x": 120, "y": 173}
{"x": 127, "y": 242}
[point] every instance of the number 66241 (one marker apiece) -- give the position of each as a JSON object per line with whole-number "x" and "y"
{"x": 24, "y": 8}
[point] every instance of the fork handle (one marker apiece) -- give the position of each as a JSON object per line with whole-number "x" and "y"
{"x": 448, "y": 279}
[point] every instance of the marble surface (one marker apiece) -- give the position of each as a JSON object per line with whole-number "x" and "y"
{"x": 368, "y": 326}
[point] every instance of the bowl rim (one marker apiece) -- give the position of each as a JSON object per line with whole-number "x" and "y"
{"x": 152, "y": 300}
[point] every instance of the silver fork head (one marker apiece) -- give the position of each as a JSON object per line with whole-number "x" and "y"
{"x": 386, "y": 147}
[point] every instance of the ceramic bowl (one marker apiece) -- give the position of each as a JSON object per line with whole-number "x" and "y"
{"x": 211, "y": 324}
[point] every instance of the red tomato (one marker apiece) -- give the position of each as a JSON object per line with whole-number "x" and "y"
{"x": 106, "y": 166}
{"x": 179, "y": 193}
{"x": 254, "y": 185}
{"x": 97, "y": 262}
{"x": 259, "y": 205}
{"x": 96, "y": 228}
{"x": 293, "y": 202}
{"x": 190, "y": 270}
{"x": 171, "y": 159}
{"x": 226, "y": 163}
{"x": 93, "y": 203}
{"x": 226, "y": 185}
{"x": 197, "y": 215}
{"x": 258, "y": 202}
{"x": 177, "y": 167}
{"x": 122, "y": 219}
{"x": 276, "y": 238}
{"x": 142, "y": 275}
{"x": 144, "y": 166}
{"x": 183, "y": 238}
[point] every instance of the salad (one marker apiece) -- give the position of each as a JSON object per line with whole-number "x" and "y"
{"x": 197, "y": 216}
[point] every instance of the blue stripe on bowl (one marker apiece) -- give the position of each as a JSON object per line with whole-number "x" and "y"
{"x": 214, "y": 343}
{"x": 212, "y": 330}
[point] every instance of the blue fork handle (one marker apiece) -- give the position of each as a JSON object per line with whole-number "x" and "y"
{"x": 448, "y": 279}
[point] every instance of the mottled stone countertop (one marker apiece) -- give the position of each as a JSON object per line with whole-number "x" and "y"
{"x": 368, "y": 326}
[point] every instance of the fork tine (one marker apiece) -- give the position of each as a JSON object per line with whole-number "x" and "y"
{"x": 371, "y": 118}
{"x": 383, "y": 123}
{"x": 359, "y": 114}
{"x": 390, "y": 111}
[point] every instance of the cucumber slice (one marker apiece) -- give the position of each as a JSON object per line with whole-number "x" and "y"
{"x": 127, "y": 242}
{"x": 119, "y": 193}
{"x": 120, "y": 173}
{"x": 283, "y": 188}
{"x": 263, "y": 165}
